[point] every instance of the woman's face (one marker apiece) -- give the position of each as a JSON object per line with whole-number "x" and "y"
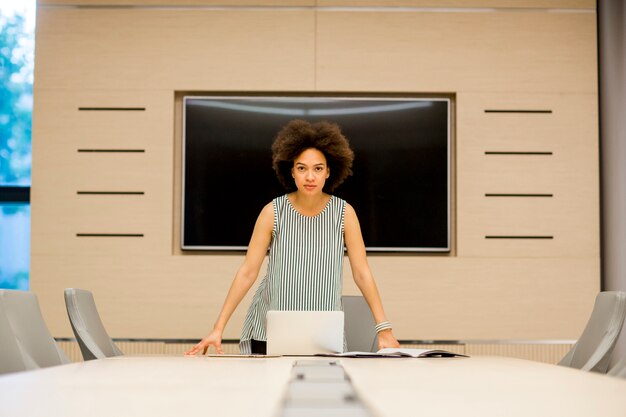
{"x": 310, "y": 171}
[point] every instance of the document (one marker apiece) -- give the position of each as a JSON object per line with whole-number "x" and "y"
{"x": 397, "y": 353}
{"x": 239, "y": 355}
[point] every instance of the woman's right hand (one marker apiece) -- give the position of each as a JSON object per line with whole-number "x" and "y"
{"x": 213, "y": 339}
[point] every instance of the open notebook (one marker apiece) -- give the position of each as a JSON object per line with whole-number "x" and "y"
{"x": 397, "y": 353}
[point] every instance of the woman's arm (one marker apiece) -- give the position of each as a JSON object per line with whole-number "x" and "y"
{"x": 245, "y": 277}
{"x": 363, "y": 276}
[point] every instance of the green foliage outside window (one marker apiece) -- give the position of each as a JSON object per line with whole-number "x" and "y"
{"x": 16, "y": 102}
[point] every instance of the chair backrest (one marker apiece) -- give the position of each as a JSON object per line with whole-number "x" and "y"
{"x": 619, "y": 369}
{"x": 38, "y": 348}
{"x": 359, "y": 324}
{"x": 11, "y": 359}
{"x": 593, "y": 349}
{"x": 92, "y": 337}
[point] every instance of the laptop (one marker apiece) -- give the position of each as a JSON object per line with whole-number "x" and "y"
{"x": 294, "y": 333}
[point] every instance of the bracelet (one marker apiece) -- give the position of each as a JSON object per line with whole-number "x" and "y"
{"x": 384, "y": 325}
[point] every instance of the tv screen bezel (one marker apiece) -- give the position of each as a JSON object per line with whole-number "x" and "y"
{"x": 365, "y": 97}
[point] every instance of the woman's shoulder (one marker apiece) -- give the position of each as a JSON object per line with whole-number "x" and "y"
{"x": 279, "y": 199}
{"x": 339, "y": 202}
{"x": 348, "y": 209}
{"x": 267, "y": 211}
{"x": 277, "y": 205}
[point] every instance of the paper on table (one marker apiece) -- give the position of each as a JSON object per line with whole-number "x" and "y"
{"x": 235, "y": 355}
{"x": 397, "y": 353}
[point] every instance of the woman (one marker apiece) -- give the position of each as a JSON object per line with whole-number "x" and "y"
{"x": 305, "y": 231}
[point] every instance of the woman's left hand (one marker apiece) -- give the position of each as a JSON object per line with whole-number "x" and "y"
{"x": 386, "y": 339}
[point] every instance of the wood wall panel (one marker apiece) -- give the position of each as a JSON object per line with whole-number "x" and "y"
{"x": 571, "y": 125}
{"x": 569, "y": 173}
{"x": 57, "y": 116}
{"x": 187, "y": 3}
{"x": 557, "y": 223}
{"x": 427, "y": 299}
{"x": 504, "y": 51}
{"x": 59, "y": 213}
{"x": 574, "y": 4}
{"x": 549, "y": 353}
{"x": 521, "y": 4}
{"x": 176, "y": 49}
{"x": 485, "y": 298}
{"x": 146, "y": 57}
{"x": 138, "y": 295}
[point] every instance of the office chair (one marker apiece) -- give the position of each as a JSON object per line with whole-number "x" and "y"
{"x": 619, "y": 369}
{"x": 593, "y": 349}
{"x": 36, "y": 344}
{"x": 93, "y": 339}
{"x": 359, "y": 324}
{"x": 11, "y": 357}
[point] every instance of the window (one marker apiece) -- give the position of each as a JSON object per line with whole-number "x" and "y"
{"x": 17, "y": 37}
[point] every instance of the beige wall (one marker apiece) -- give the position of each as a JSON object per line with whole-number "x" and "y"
{"x": 488, "y": 55}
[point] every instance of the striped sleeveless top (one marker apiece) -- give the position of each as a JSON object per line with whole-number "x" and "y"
{"x": 305, "y": 269}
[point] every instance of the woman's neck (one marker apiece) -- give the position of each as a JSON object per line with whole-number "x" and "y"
{"x": 308, "y": 205}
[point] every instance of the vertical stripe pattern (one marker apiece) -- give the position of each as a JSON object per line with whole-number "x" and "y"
{"x": 305, "y": 269}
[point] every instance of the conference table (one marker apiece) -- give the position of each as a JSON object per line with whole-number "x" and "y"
{"x": 255, "y": 387}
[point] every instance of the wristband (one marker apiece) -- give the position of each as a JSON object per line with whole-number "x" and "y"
{"x": 384, "y": 325}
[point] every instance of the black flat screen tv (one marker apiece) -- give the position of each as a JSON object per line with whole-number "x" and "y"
{"x": 400, "y": 188}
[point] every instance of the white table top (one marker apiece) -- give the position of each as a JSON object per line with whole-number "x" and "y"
{"x": 176, "y": 385}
